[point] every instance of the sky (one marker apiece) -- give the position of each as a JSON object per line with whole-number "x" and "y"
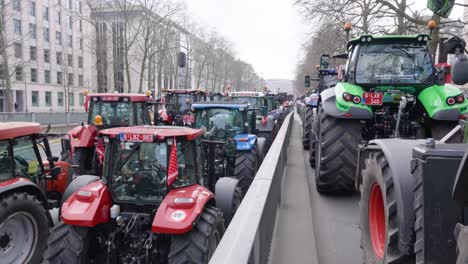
{"x": 266, "y": 33}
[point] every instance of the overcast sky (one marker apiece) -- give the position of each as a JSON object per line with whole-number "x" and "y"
{"x": 266, "y": 33}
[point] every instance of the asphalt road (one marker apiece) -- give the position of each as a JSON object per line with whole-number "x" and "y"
{"x": 313, "y": 228}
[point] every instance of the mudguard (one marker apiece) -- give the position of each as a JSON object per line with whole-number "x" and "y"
{"x": 83, "y": 136}
{"x": 22, "y": 185}
{"x": 60, "y": 183}
{"x": 89, "y": 206}
{"x": 245, "y": 141}
{"x": 434, "y": 101}
{"x": 225, "y": 190}
{"x": 398, "y": 153}
{"x": 180, "y": 208}
{"x": 336, "y": 106}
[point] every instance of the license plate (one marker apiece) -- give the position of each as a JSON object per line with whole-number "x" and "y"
{"x": 136, "y": 137}
{"x": 372, "y": 98}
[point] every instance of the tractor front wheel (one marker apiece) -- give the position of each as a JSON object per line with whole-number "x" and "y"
{"x": 378, "y": 215}
{"x": 246, "y": 168}
{"x": 24, "y": 229}
{"x": 307, "y": 127}
{"x": 313, "y": 135}
{"x": 83, "y": 159}
{"x": 198, "y": 245}
{"x": 336, "y": 154}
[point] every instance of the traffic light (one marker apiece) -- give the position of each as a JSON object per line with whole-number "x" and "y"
{"x": 307, "y": 81}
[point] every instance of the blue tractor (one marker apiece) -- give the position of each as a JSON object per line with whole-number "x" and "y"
{"x": 229, "y": 148}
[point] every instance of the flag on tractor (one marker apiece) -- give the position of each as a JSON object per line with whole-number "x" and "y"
{"x": 173, "y": 170}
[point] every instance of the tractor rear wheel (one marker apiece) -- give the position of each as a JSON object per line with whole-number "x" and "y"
{"x": 441, "y": 128}
{"x": 313, "y": 139}
{"x": 83, "y": 158}
{"x": 72, "y": 245}
{"x": 307, "y": 127}
{"x": 268, "y": 136}
{"x": 336, "y": 154}
{"x": 246, "y": 168}
{"x": 24, "y": 228}
{"x": 198, "y": 245}
{"x": 379, "y": 215}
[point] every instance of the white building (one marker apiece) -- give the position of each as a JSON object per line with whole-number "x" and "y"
{"x": 47, "y": 54}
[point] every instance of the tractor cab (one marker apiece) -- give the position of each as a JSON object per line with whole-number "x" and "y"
{"x": 177, "y": 106}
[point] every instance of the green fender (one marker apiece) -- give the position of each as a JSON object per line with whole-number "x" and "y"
{"x": 334, "y": 104}
{"x": 434, "y": 100}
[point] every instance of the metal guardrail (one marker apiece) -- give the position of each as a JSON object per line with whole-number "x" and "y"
{"x": 249, "y": 235}
{"x": 45, "y": 118}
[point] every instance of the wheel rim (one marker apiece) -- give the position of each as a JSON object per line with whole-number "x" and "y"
{"x": 18, "y": 238}
{"x": 377, "y": 221}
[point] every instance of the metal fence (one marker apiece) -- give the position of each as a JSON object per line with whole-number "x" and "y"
{"x": 248, "y": 238}
{"x": 45, "y": 118}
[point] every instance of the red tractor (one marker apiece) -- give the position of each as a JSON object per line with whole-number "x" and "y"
{"x": 104, "y": 111}
{"x": 31, "y": 183}
{"x": 177, "y": 106}
{"x": 152, "y": 204}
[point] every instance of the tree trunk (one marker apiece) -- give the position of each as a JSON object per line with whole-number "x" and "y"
{"x": 142, "y": 70}
{"x": 6, "y": 66}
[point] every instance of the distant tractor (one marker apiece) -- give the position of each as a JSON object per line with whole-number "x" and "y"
{"x": 266, "y": 125}
{"x": 32, "y": 182}
{"x": 105, "y": 110}
{"x": 228, "y": 147}
{"x": 152, "y": 204}
{"x": 177, "y": 106}
{"x": 390, "y": 89}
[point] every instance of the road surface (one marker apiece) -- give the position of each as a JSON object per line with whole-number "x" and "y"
{"x": 313, "y": 228}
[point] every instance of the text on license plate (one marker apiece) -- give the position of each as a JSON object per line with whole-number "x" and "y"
{"x": 372, "y": 98}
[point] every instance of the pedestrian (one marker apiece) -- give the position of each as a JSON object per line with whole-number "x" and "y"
{"x": 16, "y": 107}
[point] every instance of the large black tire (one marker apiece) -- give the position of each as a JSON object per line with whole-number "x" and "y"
{"x": 336, "y": 154}
{"x": 71, "y": 245}
{"x": 441, "y": 128}
{"x": 262, "y": 149}
{"x": 83, "y": 158}
{"x": 268, "y": 136}
{"x": 313, "y": 139}
{"x": 24, "y": 228}
{"x": 378, "y": 205}
{"x": 198, "y": 245}
{"x": 307, "y": 127}
{"x": 246, "y": 168}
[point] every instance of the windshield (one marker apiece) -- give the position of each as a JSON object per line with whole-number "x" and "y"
{"x": 219, "y": 123}
{"x": 118, "y": 113}
{"x": 138, "y": 171}
{"x": 255, "y": 102}
{"x": 180, "y": 101}
{"x": 394, "y": 64}
{"x": 25, "y": 159}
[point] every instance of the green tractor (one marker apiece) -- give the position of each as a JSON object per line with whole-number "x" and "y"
{"x": 389, "y": 88}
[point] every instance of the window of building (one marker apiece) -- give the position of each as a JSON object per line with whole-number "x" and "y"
{"x": 81, "y": 44}
{"x": 60, "y": 98}
{"x": 33, "y": 30}
{"x": 32, "y": 8}
{"x": 58, "y": 37}
{"x": 70, "y": 79}
{"x": 70, "y": 4}
{"x": 70, "y": 22}
{"x": 33, "y": 75}
{"x": 81, "y": 98}
{"x": 71, "y": 99}
{"x": 59, "y": 78}
{"x": 47, "y": 76}
{"x": 35, "y": 98}
{"x": 48, "y": 98}
{"x": 59, "y": 2}
{"x": 17, "y": 24}
{"x": 70, "y": 60}
{"x": 70, "y": 41}
{"x": 17, "y": 5}
{"x": 19, "y": 73}
{"x": 18, "y": 50}
{"x": 47, "y": 56}
{"x": 80, "y": 80}
{"x": 80, "y": 8}
{"x": 58, "y": 19}
{"x": 59, "y": 58}
{"x": 80, "y": 61}
{"x": 33, "y": 53}
{"x": 46, "y": 34}
{"x": 45, "y": 13}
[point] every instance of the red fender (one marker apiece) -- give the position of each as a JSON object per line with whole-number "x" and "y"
{"x": 180, "y": 208}
{"x": 89, "y": 206}
{"x": 61, "y": 182}
{"x": 83, "y": 136}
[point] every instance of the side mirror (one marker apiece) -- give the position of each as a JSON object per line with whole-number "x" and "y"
{"x": 253, "y": 122}
{"x": 182, "y": 59}
{"x": 460, "y": 70}
{"x": 66, "y": 145}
